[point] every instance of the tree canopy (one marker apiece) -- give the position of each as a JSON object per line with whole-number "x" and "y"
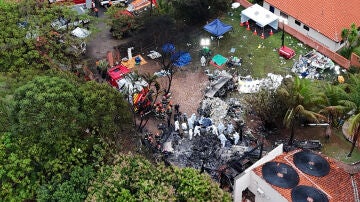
{"x": 133, "y": 178}
{"x": 27, "y": 38}
{"x": 199, "y": 11}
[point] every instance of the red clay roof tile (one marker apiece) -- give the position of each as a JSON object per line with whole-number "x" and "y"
{"x": 336, "y": 185}
{"x": 327, "y": 17}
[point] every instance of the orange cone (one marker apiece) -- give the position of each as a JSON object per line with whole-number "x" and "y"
{"x": 271, "y": 32}
{"x": 255, "y": 32}
{"x": 241, "y": 24}
{"x": 262, "y": 35}
{"x": 248, "y": 27}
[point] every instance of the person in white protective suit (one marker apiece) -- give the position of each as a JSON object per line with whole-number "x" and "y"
{"x": 184, "y": 128}
{"x": 222, "y": 139}
{"x": 236, "y": 138}
{"x": 191, "y": 121}
{"x": 197, "y": 131}
{"x": 229, "y": 128}
{"x": 203, "y": 61}
{"x": 190, "y": 133}
{"x": 221, "y": 128}
{"x": 177, "y": 125}
{"x": 214, "y": 130}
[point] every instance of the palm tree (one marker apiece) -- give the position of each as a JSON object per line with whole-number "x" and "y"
{"x": 335, "y": 99}
{"x": 301, "y": 99}
{"x": 352, "y": 88}
{"x": 350, "y": 36}
{"x": 354, "y": 129}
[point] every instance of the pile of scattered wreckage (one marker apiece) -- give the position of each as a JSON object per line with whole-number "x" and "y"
{"x": 314, "y": 65}
{"x": 214, "y": 139}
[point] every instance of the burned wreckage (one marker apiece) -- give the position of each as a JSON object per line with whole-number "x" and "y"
{"x": 211, "y": 140}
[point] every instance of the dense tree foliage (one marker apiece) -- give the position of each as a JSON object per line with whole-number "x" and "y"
{"x": 351, "y": 38}
{"x": 27, "y": 38}
{"x": 199, "y": 11}
{"x": 123, "y": 24}
{"x": 48, "y": 144}
{"x": 105, "y": 110}
{"x": 132, "y": 178}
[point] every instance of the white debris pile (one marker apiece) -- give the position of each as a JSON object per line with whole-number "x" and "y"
{"x": 249, "y": 85}
{"x": 214, "y": 108}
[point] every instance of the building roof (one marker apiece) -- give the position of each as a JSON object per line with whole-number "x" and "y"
{"x": 328, "y": 17}
{"x": 337, "y": 185}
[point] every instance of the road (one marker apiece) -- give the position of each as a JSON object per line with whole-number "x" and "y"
{"x": 102, "y": 41}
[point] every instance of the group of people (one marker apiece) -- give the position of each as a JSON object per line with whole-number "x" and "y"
{"x": 164, "y": 108}
{"x": 195, "y": 126}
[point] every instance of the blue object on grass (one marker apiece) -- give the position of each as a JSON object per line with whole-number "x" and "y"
{"x": 181, "y": 58}
{"x": 168, "y": 48}
{"x": 217, "y": 28}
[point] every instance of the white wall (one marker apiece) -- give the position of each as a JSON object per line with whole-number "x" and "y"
{"x": 264, "y": 191}
{"x": 246, "y": 179}
{"x": 314, "y": 34}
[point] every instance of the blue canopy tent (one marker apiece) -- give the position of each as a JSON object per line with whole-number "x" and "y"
{"x": 168, "y": 48}
{"x": 217, "y": 28}
{"x": 181, "y": 58}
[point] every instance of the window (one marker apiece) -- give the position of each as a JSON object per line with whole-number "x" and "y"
{"x": 283, "y": 15}
{"x": 297, "y": 22}
{"x": 272, "y": 9}
{"x": 306, "y": 28}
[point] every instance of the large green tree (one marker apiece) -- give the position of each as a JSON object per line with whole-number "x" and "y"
{"x": 48, "y": 144}
{"x": 133, "y": 178}
{"x": 46, "y": 109}
{"x": 105, "y": 111}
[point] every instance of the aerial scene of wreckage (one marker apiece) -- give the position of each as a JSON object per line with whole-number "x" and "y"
{"x": 155, "y": 100}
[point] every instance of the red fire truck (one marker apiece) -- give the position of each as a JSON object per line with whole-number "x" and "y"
{"x": 121, "y": 78}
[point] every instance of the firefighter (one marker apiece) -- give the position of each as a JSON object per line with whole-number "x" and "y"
{"x": 96, "y": 10}
{"x": 169, "y": 113}
{"x": 177, "y": 106}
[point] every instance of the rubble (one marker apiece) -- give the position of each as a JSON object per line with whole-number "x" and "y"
{"x": 220, "y": 83}
{"x": 313, "y": 65}
{"x": 214, "y": 108}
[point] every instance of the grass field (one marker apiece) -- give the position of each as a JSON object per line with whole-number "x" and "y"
{"x": 259, "y": 55}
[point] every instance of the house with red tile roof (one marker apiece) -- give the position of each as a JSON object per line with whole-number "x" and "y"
{"x": 322, "y": 21}
{"x": 299, "y": 175}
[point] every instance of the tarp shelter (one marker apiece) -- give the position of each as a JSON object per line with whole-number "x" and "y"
{"x": 218, "y": 60}
{"x": 260, "y": 15}
{"x": 181, "y": 58}
{"x": 217, "y": 28}
{"x": 131, "y": 63}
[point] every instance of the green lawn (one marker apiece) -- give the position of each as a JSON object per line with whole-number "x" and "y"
{"x": 259, "y": 55}
{"x": 338, "y": 147}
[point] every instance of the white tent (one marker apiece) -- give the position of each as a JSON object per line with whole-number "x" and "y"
{"x": 260, "y": 15}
